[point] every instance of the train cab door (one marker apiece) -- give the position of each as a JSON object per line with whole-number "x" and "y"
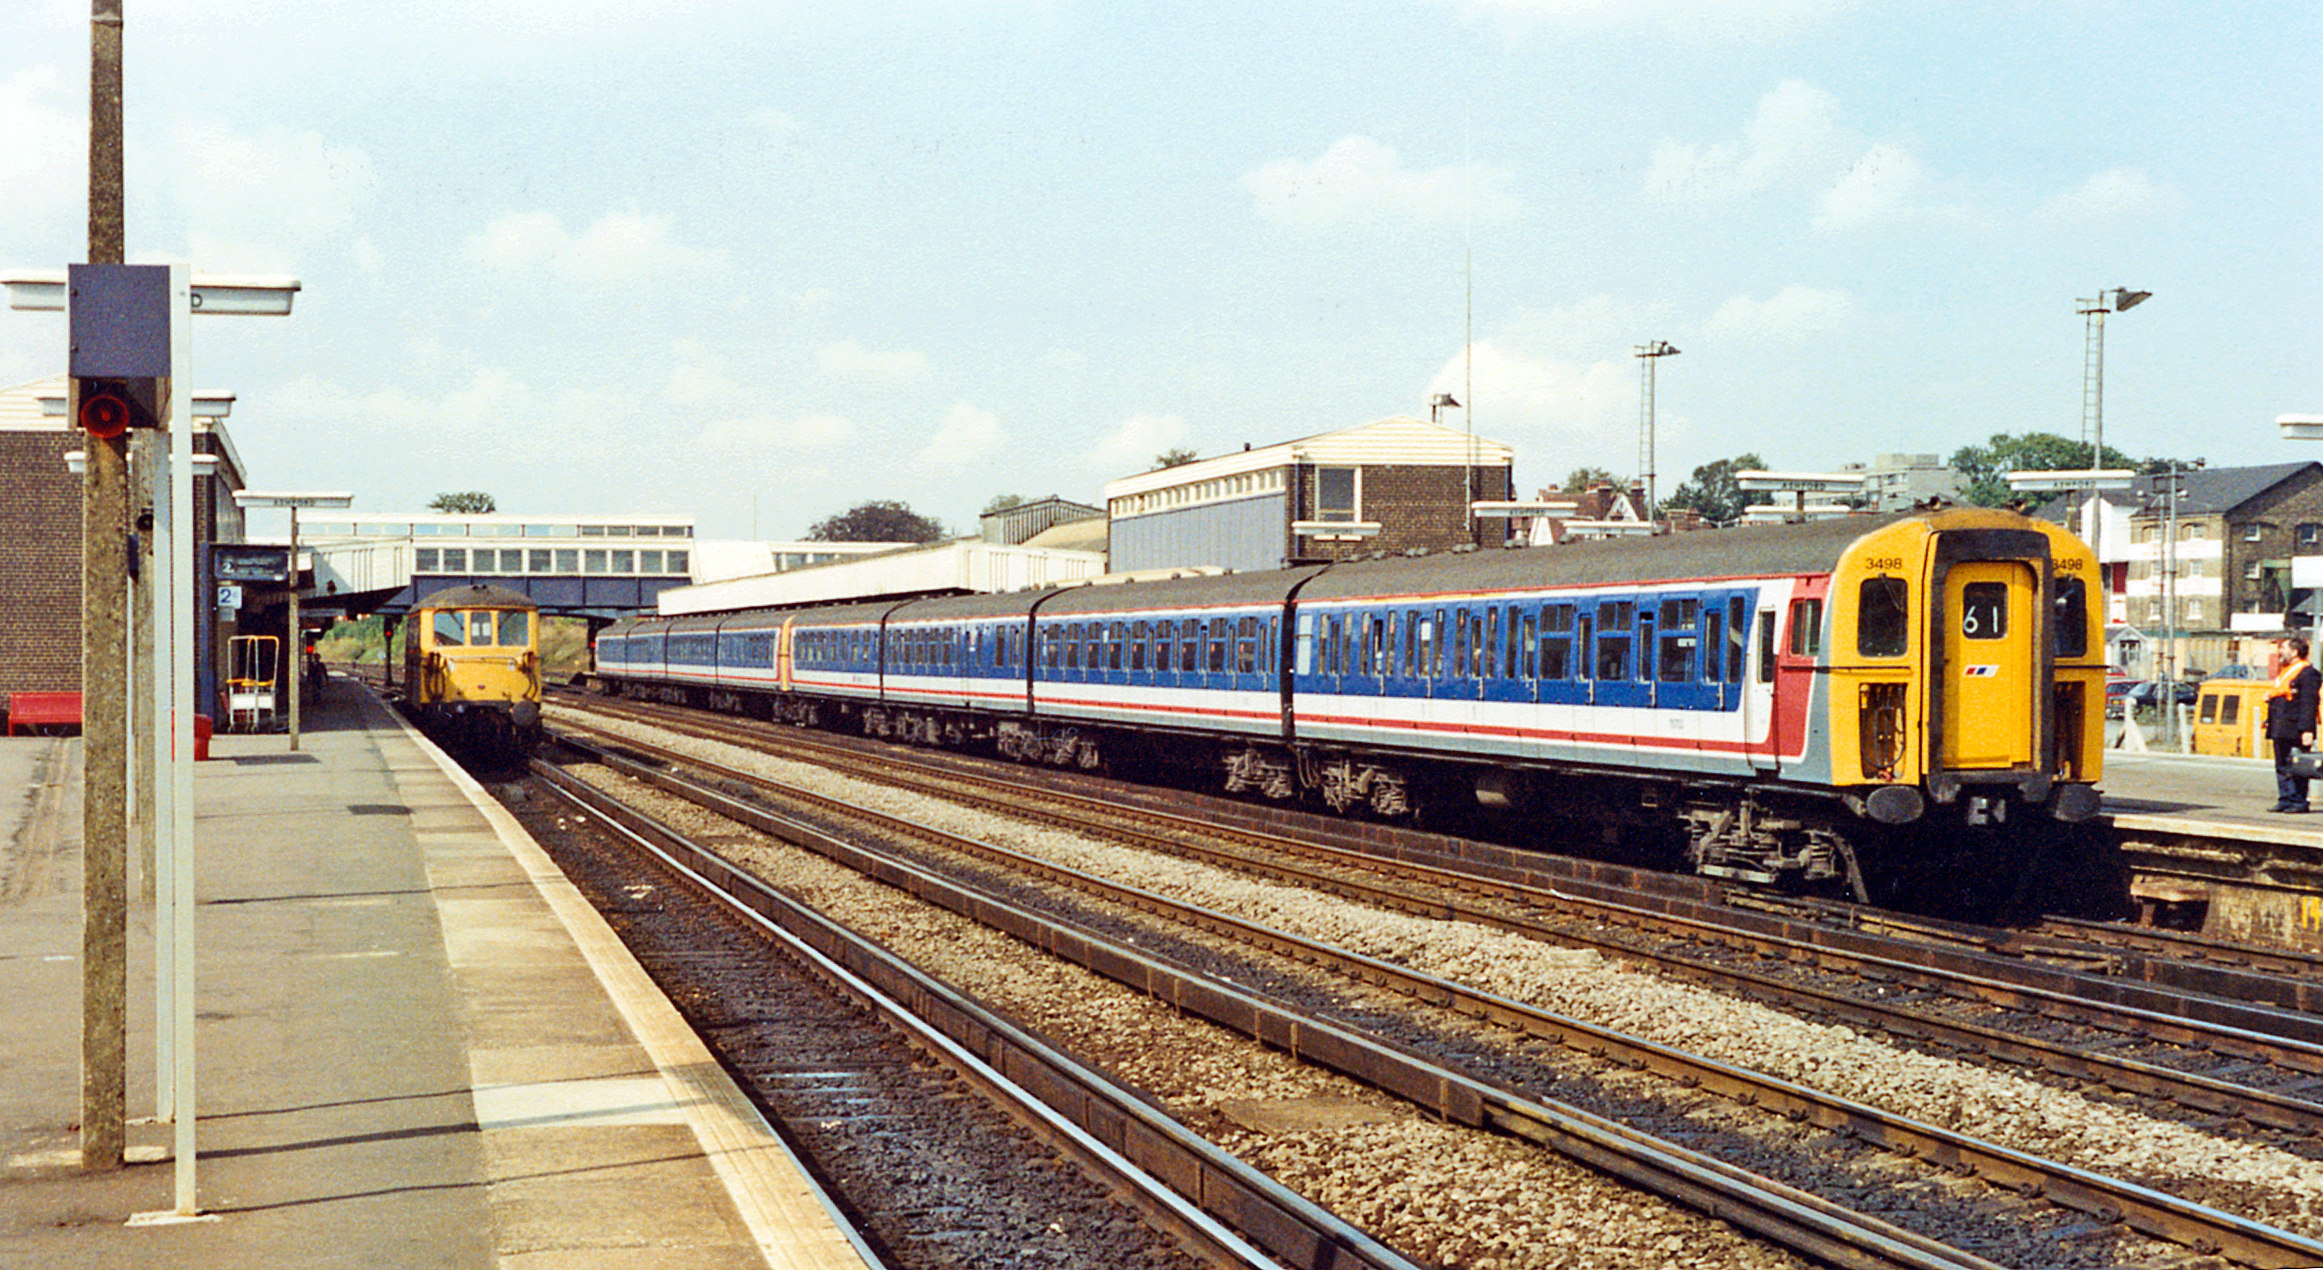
{"x": 1758, "y": 686}
{"x": 1991, "y": 623}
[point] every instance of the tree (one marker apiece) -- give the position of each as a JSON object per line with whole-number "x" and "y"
{"x": 1984, "y": 468}
{"x": 473, "y": 502}
{"x": 1714, "y": 491}
{"x": 1002, "y": 502}
{"x": 1175, "y": 456}
{"x": 1583, "y": 478}
{"x": 881, "y": 520}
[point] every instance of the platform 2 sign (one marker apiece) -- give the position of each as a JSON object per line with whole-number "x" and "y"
{"x": 245, "y": 562}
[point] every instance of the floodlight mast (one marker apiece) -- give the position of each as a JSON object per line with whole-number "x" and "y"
{"x": 2110, "y": 300}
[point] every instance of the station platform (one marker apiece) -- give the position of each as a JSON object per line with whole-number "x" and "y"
{"x": 417, "y": 1044}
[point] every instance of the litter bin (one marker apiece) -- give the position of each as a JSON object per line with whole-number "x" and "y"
{"x": 201, "y": 737}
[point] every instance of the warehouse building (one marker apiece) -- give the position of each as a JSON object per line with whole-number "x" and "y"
{"x": 1397, "y": 485}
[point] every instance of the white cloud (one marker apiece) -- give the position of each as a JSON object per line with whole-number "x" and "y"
{"x": 1360, "y": 179}
{"x": 43, "y": 151}
{"x": 418, "y": 424}
{"x": 1886, "y": 184}
{"x": 2113, "y": 192}
{"x": 1131, "y": 448}
{"x": 1549, "y": 406}
{"x": 701, "y": 380}
{"x": 618, "y": 248}
{"x": 266, "y": 201}
{"x": 1792, "y": 314}
{"x": 759, "y": 436}
{"x": 967, "y": 434}
{"x": 850, "y": 360}
{"x": 1794, "y": 138}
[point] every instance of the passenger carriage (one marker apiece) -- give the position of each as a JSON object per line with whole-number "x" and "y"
{"x": 1772, "y": 696}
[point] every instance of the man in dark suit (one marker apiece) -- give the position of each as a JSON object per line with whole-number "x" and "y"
{"x": 2291, "y": 723}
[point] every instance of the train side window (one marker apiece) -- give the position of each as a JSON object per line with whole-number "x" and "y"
{"x": 1556, "y": 641}
{"x": 1531, "y": 644}
{"x": 1882, "y": 617}
{"x": 1766, "y": 646}
{"x": 1436, "y": 642}
{"x": 1413, "y": 658}
{"x": 1612, "y": 653}
{"x": 1113, "y": 641}
{"x": 2072, "y": 617}
{"x": 1459, "y": 642}
{"x": 1737, "y": 637}
{"x": 1984, "y": 610}
{"x": 1190, "y": 644}
{"x": 1679, "y": 639}
{"x": 1584, "y": 627}
{"x": 451, "y": 631}
{"x": 1246, "y": 646}
{"x": 1713, "y": 644}
{"x": 1139, "y": 633}
{"x": 1214, "y": 647}
{"x": 1806, "y": 628}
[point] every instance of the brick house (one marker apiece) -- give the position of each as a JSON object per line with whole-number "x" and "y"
{"x": 2214, "y": 572}
{"x": 1397, "y": 485}
{"x": 40, "y": 572}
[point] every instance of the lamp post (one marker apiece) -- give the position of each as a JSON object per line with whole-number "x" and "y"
{"x": 1649, "y": 354}
{"x": 2167, "y": 695}
{"x": 2110, "y": 300}
{"x": 105, "y": 758}
{"x": 296, "y": 649}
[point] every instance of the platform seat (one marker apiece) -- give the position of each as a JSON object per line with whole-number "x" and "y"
{"x": 34, "y": 711}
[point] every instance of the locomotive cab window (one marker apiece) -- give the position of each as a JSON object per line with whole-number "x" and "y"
{"x": 2072, "y": 617}
{"x": 1984, "y": 610}
{"x": 514, "y": 629}
{"x": 1882, "y": 617}
{"x": 451, "y": 629}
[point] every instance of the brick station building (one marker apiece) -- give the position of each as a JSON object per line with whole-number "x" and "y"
{"x": 40, "y": 565}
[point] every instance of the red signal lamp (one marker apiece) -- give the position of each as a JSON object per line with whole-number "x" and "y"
{"x": 105, "y": 415}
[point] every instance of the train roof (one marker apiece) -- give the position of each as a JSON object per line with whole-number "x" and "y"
{"x": 1753, "y": 551}
{"x": 476, "y": 595}
{"x": 1227, "y": 590}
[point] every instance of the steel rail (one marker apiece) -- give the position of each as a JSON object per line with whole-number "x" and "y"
{"x": 1795, "y": 1219}
{"x": 2108, "y": 1199}
{"x": 2045, "y": 988}
{"x": 1227, "y": 1211}
{"x": 2204, "y": 1093}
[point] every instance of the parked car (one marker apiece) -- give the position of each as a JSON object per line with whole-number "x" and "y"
{"x": 2145, "y": 692}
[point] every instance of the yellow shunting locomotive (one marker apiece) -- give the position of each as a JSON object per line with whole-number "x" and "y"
{"x": 471, "y": 668}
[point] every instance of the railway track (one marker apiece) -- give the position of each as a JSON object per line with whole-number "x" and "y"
{"x": 2219, "y": 1061}
{"x": 2106, "y": 1206}
{"x": 872, "y": 1109}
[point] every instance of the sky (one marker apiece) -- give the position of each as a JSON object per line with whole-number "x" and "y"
{"x": 757, "y": 261}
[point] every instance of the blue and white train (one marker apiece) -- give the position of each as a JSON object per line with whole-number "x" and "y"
{"x": 1773, "y": 698}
